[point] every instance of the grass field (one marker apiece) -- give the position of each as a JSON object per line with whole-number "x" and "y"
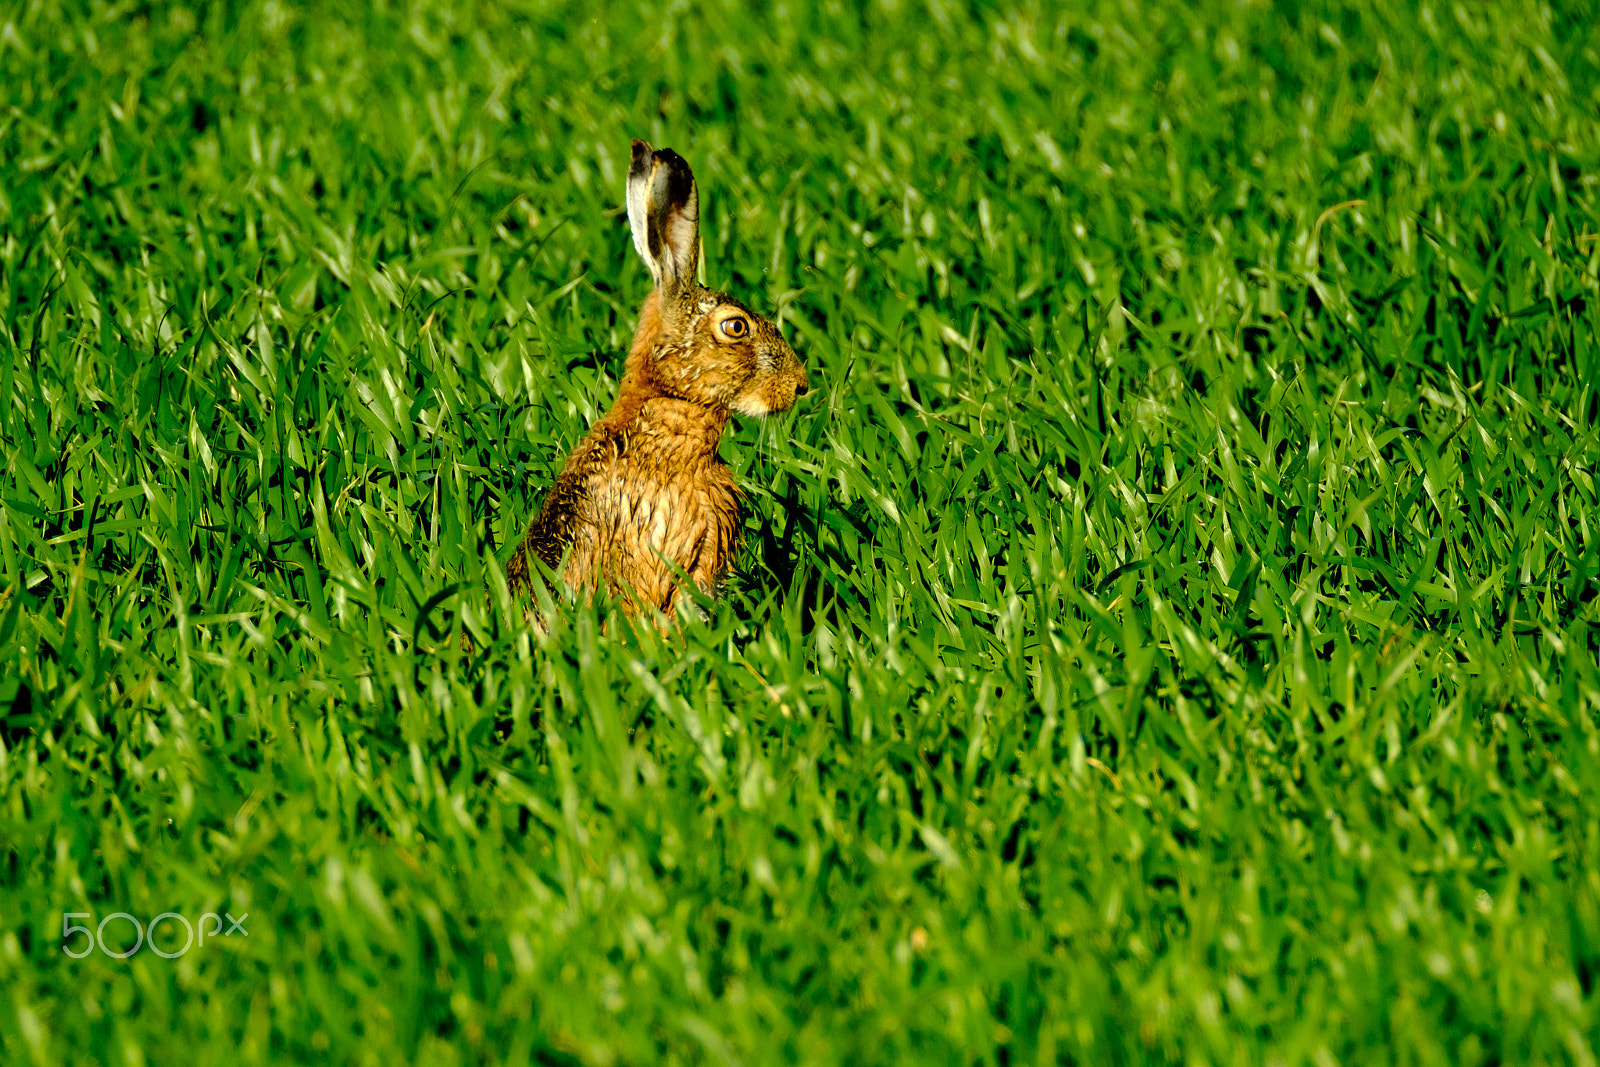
{"x": 1166, "y": 634}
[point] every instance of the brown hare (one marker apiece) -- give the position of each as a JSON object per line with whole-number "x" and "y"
{"x": 644, "y": 495}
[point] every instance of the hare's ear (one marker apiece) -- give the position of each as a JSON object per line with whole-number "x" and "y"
{"x": 664, "y": 212}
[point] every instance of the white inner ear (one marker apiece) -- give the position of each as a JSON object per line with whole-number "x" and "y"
{"x": 639, "y": 222}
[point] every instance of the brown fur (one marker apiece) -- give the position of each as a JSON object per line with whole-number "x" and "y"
{"x": 645, "y": 494}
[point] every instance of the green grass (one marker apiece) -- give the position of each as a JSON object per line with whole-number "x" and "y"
{"x": 1167, "y": 634}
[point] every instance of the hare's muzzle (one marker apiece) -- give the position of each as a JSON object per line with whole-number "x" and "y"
{"x": 797, "y": 379}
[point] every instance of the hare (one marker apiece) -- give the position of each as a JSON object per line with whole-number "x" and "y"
{"x": 644, "y": 496}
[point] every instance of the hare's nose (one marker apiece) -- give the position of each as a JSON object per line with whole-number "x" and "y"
{"x": 800, "y": 389}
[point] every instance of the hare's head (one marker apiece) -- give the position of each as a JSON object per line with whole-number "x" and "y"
{"x": 710, "y": 349}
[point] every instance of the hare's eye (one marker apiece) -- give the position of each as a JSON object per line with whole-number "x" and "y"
{"x": 734, "y": 328}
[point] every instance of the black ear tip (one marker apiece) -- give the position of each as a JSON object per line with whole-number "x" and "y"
{"x": 641, "y": 153}
{"x": 679, "y": 174}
